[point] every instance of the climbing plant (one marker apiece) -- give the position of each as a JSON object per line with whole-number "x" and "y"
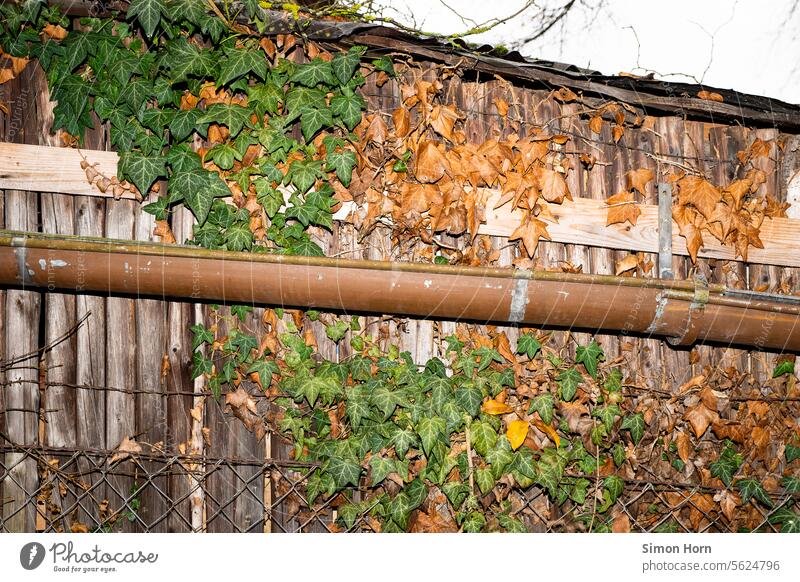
{"x": 261, "y": 138}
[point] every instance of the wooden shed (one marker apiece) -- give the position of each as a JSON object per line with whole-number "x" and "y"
{"x": 104, "y": 425}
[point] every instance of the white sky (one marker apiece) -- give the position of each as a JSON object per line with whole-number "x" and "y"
{"x": 756, "y": 44}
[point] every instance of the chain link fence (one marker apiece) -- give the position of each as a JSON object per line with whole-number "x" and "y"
{"x": 113, "y": 491}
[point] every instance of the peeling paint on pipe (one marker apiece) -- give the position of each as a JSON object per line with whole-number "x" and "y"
{"x": 588, "y": 302}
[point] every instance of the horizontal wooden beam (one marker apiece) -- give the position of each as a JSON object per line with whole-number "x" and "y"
{"x": 582, "y": 221}
{"x": 52, "y": 169}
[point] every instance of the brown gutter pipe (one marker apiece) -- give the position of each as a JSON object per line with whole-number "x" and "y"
{"x": 682, "y": 311}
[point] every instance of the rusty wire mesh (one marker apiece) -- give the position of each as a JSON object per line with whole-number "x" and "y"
{"x": 103, "y": 491}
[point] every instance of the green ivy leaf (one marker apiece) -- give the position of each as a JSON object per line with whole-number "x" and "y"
{"x": 431, "y": 431}
{"x": 234, "y": 117}
{"x": 336, "y": 331}
{"x": 142, "y": 170}
{"x": 456, "y": 493}
{"x": 182, "y": 59}
{"x": 614, "y": 485}
{"x": 510, "y": 524}
{"x": 550, "y": 470}
{"x": 792, "y": 452}
{"x": 402, "y": 440}
{"x": 569, "y": 380}
{"x": 752, "y": 489}
{"x": 347, "y": 107}
{"x": 238, "y": 62}
{"x": 788, "y": 520}
{"x": 474, "y": 522}
{"x": 148, "y": 12}
{"x": 158, "y": 208}
{"x": 238, "y": 237}
{"x": 265, "y": 369}
{"x": 343, "y": 163}
{"x": 791, "y": 484}
{"x": 500, "y": 457}
{"x": 482, "y": 436}
{"x": 312, "y": 120}
{"x": 783, "y": 367}
{"x": 183, "y": 124}
{"x": 198, "y": 188}
{"x": 589, "y": 356}
{"x": 727, "y": 465}
{"x": 607, "y": 414}
{"x": 312, "y": 386}
{"x": 484, "y": 479}
{"x": 525, "y": 463}
{"x": 469, "y": 397}
{"x": 528, "y": 344}
{"x": 543, "y": 404}
{"x": 313, "y": 73}
{"x": 345, "y": 470}
{"x": 635, "y": 424}
{"x": 579, "y": 491}
{"x": 299, "y": 98}
{"x": 380, "y": 467}
{"x": 345, "y": 64}
{"x": 303, "y": 173}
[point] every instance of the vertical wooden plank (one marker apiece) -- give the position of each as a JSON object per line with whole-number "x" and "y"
{"x": 90, "y": 363}
{"x": 120, "y": 368}
{"x": 669, "y": 140}
{"x": 151, "y": 417}
{"x": 22, "y": 309}
{"x": 179, "y": 402}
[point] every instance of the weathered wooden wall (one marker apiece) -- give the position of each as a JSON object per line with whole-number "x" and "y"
{"x": 126, "y": 371}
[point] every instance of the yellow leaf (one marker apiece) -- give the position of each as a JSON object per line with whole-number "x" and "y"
{"x": 516, "y": 433}
{"x": 496, "y": 408}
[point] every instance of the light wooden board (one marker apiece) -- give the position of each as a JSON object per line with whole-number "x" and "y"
{"x": 581, "y": 221}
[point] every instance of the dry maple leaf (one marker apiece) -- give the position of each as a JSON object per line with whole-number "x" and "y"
{"x": 638, "y": 179}
{"x": 710, "y": 96}
{"x": 501, "y": 105}
{"x": 127, "y": 447}
{"x": 443, "y": 119}
{"x": 758, "y": 149}
{"x": 402, "y": 121}
{"x": 700, "y": 417}
{"x": 552, "y": 185}
{"x": 377, "y": 130}
{"x": 596, "y": 124}
{"x": 565, "y": 95}
{"x": 684, "y": 445}
{"x": 700, "y": 193}
{"x": 617, "y": 132}
{"x": 55, "y": 31}
{"x": 629, "y": 263}
{"x": 163, "y": 230}
{"x": 622, "y": 208}
{"x": 529, "y": 232}
{"x": 431, "y": 165}
{"x": 243, "y": 407}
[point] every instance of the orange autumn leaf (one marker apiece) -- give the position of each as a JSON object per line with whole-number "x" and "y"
{"x": 402, "y": 121}
{"x": 700, "y": 417}
{"x": 596, "y": 124}
{"x": 617, "y": 132}
{"x": 700, "y": 193}
{"x": 442, "y": 120}
{"x": 626, "y": 264}
{"x": 710, "y": 96}
{"x": 638, "y": 179}
{"x": 529, "y": 232}
{"x": 553, "y": 186}
{"x": 548, "y": 430}
{"x": 55, "y": 31}
{"x": 431, "y": 165}
{"x": 565, "y": 95}
{"x": 496, "y": 408}
{"x": 621, "y": 208}
{"x": 501, "y": 105}
{"x": 516, "y": 433}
